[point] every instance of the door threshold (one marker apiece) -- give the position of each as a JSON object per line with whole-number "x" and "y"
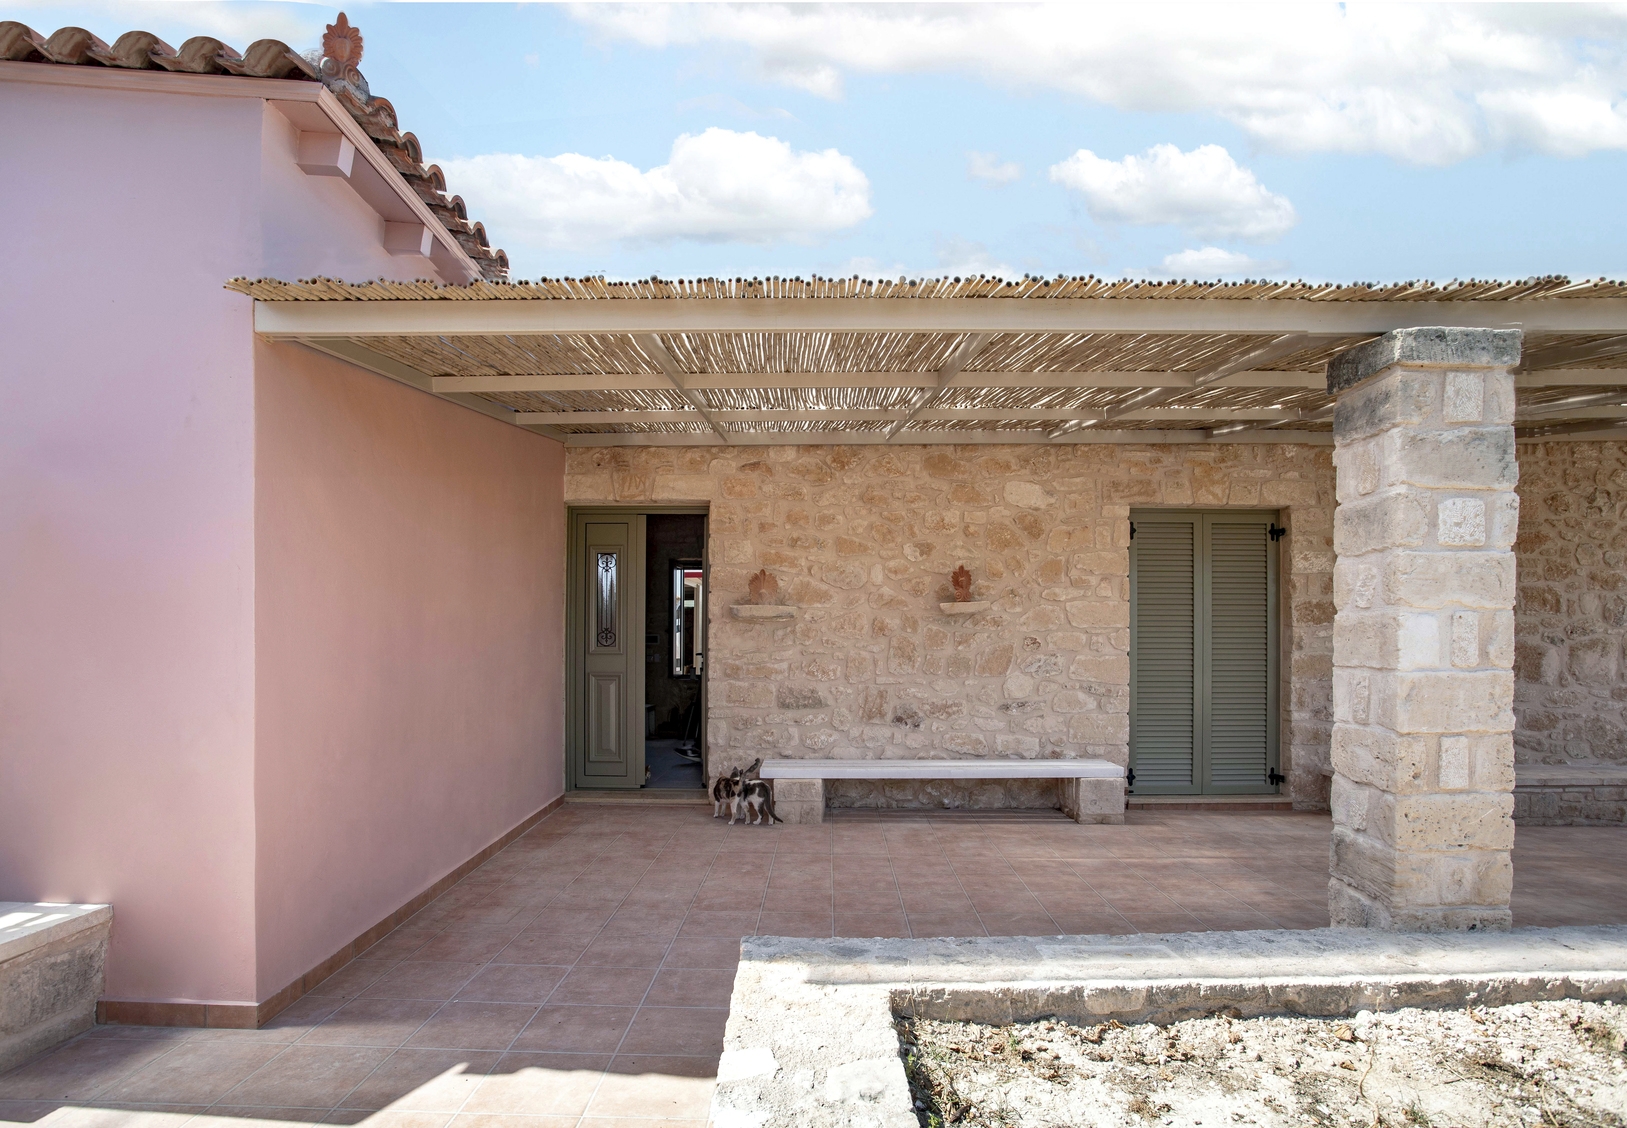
{"x": 641, "y": 797}
{"x": 1210, "y": 802}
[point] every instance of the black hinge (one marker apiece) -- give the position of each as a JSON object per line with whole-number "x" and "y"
{"x": 1276, "y": 532}
{"x": 1275, "y": 778}
{"x": 1129, "y": 779}
{"x": 1132, "y": 530}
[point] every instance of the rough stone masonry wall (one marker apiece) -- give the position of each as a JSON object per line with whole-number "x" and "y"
{"x": 862, "y": 540}
{"x": 1570, "y": 695}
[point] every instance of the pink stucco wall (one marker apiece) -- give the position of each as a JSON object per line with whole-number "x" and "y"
{"x": 410, "y": 559}
{"x": 127, "y": 527}
{"x": 155, "y": 644}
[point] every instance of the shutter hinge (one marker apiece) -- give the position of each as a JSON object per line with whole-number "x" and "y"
{"x": 1275, "y": 778}
{"x": 1132, "y": 530}
{"x": 1276, "y": 532}
{"x": 1129, "y": 779}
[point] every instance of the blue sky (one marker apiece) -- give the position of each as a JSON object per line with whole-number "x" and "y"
{"x": 1333, "y": 142}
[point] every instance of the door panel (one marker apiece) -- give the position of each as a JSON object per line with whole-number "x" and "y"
{"x": 1240, "y": 718}
{"x": 607, "y": 638}
{"x": 1203, "y": 714}
{"x": 1164, "y": 723}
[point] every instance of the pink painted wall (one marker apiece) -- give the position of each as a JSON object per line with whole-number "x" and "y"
{"x": 127, "y": 527}
{"x": 221, "y": 728}
{"x": 410, "y": 560}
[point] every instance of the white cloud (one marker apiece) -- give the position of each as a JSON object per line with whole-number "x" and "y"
{"x": 1430, "y": 84}
{"x": 1214, "y": 262}
{"x": 1204, "y": 192}
{"x": 989, "y": 167}
{"x": 958, "y": 257}
{"x": 719, "y": 186}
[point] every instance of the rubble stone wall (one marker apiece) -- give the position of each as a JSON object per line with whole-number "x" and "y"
{"x": 862, "y": 540}
{"x": 1570, "y": 695}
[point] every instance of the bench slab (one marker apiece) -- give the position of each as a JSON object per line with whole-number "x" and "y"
{"x": 1090, "y": 791}
{"x": 940, "y": 769}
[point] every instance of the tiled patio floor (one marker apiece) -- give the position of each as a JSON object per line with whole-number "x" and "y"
{"x": 582, "y": 977}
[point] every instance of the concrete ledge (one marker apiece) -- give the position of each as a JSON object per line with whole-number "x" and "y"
{"x": 51, "y": 961}
{"x": 1424, "y": 347}
{"x": 941, "y": 769}
{"x": 810, "y": 1039}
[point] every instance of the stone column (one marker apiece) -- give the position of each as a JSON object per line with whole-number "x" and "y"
{"x": 1423, "y": 637}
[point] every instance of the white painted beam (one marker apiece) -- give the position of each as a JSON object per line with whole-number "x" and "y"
{"x": 656, "y": 351}
{"x": 927, "y": 315}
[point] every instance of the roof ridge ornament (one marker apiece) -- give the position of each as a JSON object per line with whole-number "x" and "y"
{"x": 341, "y": 55}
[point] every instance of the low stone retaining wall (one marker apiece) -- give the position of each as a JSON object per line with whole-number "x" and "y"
{"x": 810, "y": 1040}
{"x": 51, "y": 959}
{"x": 1571, "y": 795}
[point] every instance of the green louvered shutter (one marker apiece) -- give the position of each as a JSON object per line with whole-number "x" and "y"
{"x": 1240, "y": 667}
{"x": 1204, "y": 698}
{"x": 1164, "y": 729}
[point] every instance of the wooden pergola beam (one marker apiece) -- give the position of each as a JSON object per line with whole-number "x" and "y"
{"x": 926, "y": 315}
{"x": 883, "y": 415}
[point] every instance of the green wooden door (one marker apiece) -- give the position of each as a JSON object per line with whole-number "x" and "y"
{"x": 1203, "y": 652}
{"x": 606, "y": 627}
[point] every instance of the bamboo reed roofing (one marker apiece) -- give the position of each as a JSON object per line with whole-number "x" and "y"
{"x": 907, "y": 384}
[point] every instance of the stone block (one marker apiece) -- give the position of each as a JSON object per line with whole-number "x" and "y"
{"x": 1441, "y": 347}
{"x": 51, "y": 960}
{"x": 1093, "y": 800}
{"x": 1395, "y": 519}
{"x": 800, "y": 812}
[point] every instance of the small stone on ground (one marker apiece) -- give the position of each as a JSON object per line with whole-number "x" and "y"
{"x": 1548, "y": 1064}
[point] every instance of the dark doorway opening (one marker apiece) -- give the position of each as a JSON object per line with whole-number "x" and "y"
{"x": 674, "y": 649}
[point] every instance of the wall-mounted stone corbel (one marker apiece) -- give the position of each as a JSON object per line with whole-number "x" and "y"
{"x": 961, "y": 581}
{"x": 762, "y": 589}
{"x": 760, "y": 612}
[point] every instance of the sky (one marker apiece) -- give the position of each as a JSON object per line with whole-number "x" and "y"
{"x": 1329, "y": 142}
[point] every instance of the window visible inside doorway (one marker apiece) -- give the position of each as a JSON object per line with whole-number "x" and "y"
{"x": 688, "y": 609}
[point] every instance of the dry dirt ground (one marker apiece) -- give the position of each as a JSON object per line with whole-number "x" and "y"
{"x": 1541, "y": 1064}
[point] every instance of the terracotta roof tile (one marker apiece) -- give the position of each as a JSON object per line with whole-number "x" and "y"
{"x": 334, "y": 66}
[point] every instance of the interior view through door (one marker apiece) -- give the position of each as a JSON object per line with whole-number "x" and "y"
{"x": 636, "y": 624}
{"x": 1203, "y": 652}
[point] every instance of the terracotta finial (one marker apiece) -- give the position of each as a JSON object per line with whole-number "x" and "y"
{"x": 962, "y": 581}
{"x": 762, "y": 587}
{"x": 342, "y": 43}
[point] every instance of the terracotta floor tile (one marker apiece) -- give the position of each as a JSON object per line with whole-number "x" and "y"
{"x": 536, "y": 1084}
{"x": 729, "y": 898}
{"x": 371, "y": 1022}
{"x": 645, "y": 922}
{"x": 354, "y": 978}
{"x": 871, "y": 925}
{"x": 575, "y": 1029}
{"x": 794, "y": 924}
{"x": 422, "y": 1081}
{"x": 470, "y": 946}
{"x": 687, "y": 1031}
{"x": 501, "y": 1120}
{"x": 400, "y": 944}
{"x": 655, "y": 1087}
{"x": 308, "y": 1076}
{"x": 1234, "y": 921}
{"x": 474, "y": 1026}
{"x": 935, "y": 901}
{"x": 540, "y": 948}
{"x": 626, "y": 951}
{"x": 879, "y": 901}
{"x": 711, "y": 952}
{"x": 422, "y": 979}
{"x": 81, "y": 1068}
{"x": 512, "y": 983}
{"x": 1093, "y": 924}
{"x": 1020, "y": 924}
{"x": 604, "y": 986}
{"x": 384, "y": 1118}
{"x": 945, "y": 924}
{"x": 193, "y": 1072}
{"x": 690, "y": 987}
{"x": 732, "y": 924}
{"x": 1163, "y": 922}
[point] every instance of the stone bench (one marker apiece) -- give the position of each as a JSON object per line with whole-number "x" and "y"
{"x": 51, "y": 959}
{"x": 1570, "y": 794}
{"x": 1091, "y": 791}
